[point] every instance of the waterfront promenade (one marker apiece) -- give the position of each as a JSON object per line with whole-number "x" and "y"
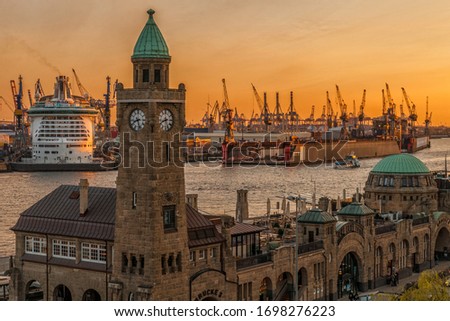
{"x": 388, "y": 291}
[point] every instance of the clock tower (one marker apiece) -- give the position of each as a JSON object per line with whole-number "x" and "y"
{"x": 150, "y": 255}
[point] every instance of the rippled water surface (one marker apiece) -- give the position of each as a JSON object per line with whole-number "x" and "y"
{"x": 215, "y": 185}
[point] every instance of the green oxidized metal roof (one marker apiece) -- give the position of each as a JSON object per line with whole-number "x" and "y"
{"x": 151, "y": 43}
{"x": 355, "y": 209}
{"x": 315, "y": 215}
{"x": 400, "y": 164}
{"x": 437, "y": 215}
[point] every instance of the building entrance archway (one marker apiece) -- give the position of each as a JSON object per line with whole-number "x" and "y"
{"x": 442, "y": 245}
{"x": 348, "y": 275}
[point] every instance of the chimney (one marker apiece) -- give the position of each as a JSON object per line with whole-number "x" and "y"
{"x": 241, "y": 206}
{"x": 84, "y": 185}
{"x": 192, "y": 200}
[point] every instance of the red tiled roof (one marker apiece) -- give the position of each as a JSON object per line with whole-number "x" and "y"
{"x": 201, "y": 231}
{"x": 59, "y": 214}
{"x": 243, "y": 228}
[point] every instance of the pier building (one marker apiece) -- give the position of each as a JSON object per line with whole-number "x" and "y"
{"x": 147, "y": 240}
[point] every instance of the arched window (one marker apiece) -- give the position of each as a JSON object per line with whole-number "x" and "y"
{"x": 426, "y": 247}
{"x": 378, "y": 262}
{"x": 404, "y": 249}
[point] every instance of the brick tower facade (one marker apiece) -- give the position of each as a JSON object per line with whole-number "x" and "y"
{"x": 151, "y": 245}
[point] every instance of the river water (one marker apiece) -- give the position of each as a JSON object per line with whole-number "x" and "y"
{"x": 215, "y": 185}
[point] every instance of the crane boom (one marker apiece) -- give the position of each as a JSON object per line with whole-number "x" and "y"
{"x": 411, "y": 106}
{"x": 362, "y": 106}
{"x": 341, "y": 102}
{"x": 81, "y": 88}
{"x": 38, "y": 90}
{"x": 225, "y": 95}
{"x": 258, "y": 99}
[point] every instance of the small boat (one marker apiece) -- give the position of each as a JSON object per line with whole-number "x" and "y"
{"x": 350, "y": 161}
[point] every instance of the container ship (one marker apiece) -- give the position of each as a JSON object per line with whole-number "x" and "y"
{"x": 62, "y": 134}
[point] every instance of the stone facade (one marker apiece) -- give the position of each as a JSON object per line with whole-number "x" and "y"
{"x": 153, "y": 254}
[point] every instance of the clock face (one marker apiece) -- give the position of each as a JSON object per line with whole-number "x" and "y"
{"x": 166, "y": 120}
{"x": 137, "y": 119}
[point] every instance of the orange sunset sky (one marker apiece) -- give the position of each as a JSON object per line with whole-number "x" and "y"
{"x": 304, "y": 46}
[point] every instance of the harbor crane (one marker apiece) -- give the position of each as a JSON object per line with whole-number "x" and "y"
{"x": 38, "y": 90}
{"x": 80, "y": 86}
{"x": 103, "y": 106}
{"x": 7, "y": 105}
{"x": 361, "y": 115}
{"x": 391, "y": 113}
{"x": 411, "y": 109}
{"x": 279, "y": 116}
{"x": 330, "y": 113}
{"x": 311, "y": 116}
{"x": 20, "y": 140}
{"x": 323, "y": 116}
{"x": 427, "y": 119}
{"x": 266, "y": 113}
{"x": 293, "y": 116}
{"x": 263, "y": 107}
{"x": 344, "y": 116}
{"x": 229, "y": 129}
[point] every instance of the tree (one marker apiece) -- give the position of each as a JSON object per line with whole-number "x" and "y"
{"x": 430, "y": 287}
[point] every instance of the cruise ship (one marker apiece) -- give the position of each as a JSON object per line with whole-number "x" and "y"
{"x": 62, "y": 133}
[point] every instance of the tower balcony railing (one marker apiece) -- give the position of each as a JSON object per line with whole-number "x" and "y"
{"x": 253, "y": 260}
{"x": 309, "y": 247}
{"x": 385, "y": 229}
{"x": 420, "y": 220}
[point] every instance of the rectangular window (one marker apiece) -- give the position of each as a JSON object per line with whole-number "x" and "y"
{"x": 92, "y": 252}
{"x": 192, "y": 256}
{"x": 64, "y": 249}
{"x": 169, "y": 217}
{"x": 136, "y": 75}
{"x": 157, "y": 75}
{"x": 134, "y": 201}
{"x": 145, "y": 75}
{"x": 213, "y": 252}
{"x": 35, "y": 245}
{"x": 202, "y": 254}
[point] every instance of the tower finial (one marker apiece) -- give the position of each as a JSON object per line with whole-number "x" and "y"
{"x": 151, "y": 12}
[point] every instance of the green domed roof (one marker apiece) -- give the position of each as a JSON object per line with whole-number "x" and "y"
{"x": 151, "y": 43}
{"x": 315, "y": 215}
{"x": 400, "y": 164}
{"x": 355, "y": 209}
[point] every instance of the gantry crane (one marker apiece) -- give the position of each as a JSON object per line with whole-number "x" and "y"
{"x": 427, "y": 119}
{"x": 263, "y": 107}
{"x": 361, "y": 107}
{"x": 80, "y": 86}
{"x": 229, "y": 129}
{"x": 7, "y": 105}
{"x": 344, "y": 116}
{"x": 411, "y": 110}
{"x": 311, "y": 115}
{"x": 38, "y": 90}
{"x": 20, "y": 130}
{"x": 278, "y": 113}
{"x": 391, "y": 113}
{"x": 293, "y": 116}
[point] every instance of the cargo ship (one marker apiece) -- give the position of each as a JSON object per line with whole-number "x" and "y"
{"x": 62, "y": 134}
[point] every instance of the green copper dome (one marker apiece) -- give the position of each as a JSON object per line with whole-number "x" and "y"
{"x": 315, "y": 215}
{"x": 355, "y": 209}
{"x": 151, "y": 43}
{"x": 400, "y": 164}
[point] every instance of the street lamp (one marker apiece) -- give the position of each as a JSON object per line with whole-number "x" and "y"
{"x": 297, "y": 212}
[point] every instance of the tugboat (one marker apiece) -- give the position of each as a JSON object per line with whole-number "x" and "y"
{"x": 350, "y": 161}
